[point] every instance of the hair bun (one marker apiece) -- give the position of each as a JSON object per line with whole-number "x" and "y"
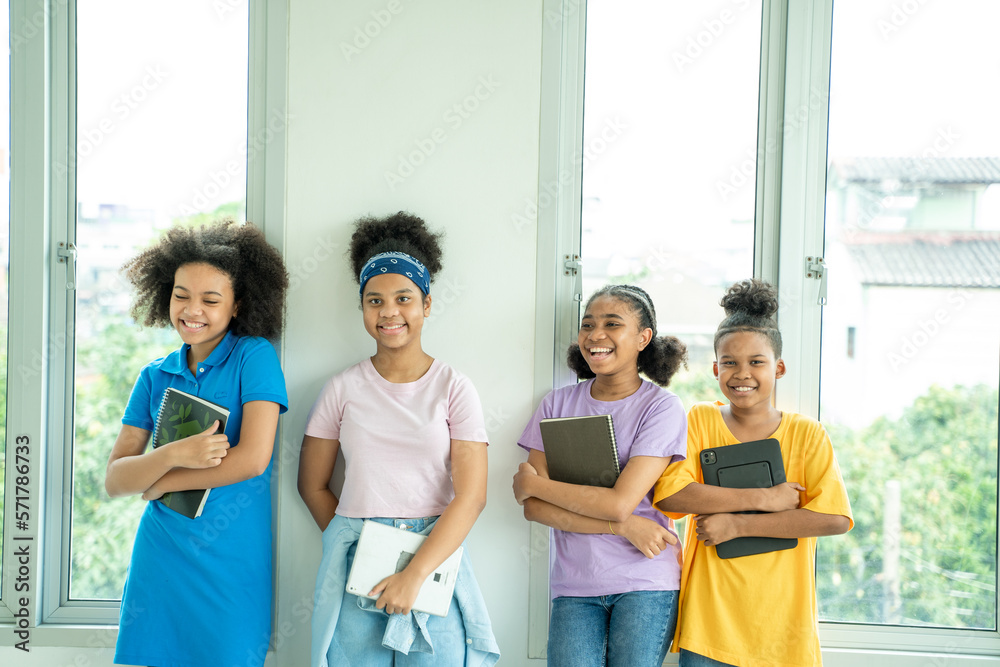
{"x": 752, "y": 297}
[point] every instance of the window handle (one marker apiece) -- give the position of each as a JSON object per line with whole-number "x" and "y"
{"x": 573, "y": 266}
{"x": 818, "y": 269}
{"x": 67, "y": 256}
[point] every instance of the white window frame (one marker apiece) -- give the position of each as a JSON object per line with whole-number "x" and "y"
{"x": 40, "y": 394}
{"x": 789, "y": 226}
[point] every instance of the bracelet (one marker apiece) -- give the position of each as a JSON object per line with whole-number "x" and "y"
{"x": 612, "y": 529}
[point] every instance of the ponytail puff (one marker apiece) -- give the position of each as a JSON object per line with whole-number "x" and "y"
{"x": 577, "y": 364}
{"x": 662, "y": 358}
{"x": 659, "y": 361}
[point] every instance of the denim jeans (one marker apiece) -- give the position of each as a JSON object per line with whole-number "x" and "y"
{"x": 360, "y": 631}
{"x": 689, "y": 659}
{"x": 623, "y": 630}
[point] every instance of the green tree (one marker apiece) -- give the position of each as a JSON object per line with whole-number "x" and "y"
{"x": 942, "y": 453}
{"x": 104, "y": 528}
{"x": 695, "y": 387}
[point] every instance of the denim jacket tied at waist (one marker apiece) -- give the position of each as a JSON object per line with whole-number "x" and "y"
{"x": 403, "y": 633}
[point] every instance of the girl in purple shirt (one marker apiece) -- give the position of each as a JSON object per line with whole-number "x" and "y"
{"x": 615, "y": 568}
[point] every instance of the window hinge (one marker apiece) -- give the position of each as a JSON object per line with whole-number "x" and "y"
{"x": 573, "y": 266}
{"x": 817, "y": 268}
{"x": 67, "y": 256}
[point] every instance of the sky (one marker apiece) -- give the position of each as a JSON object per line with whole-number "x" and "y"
{"x": 162, "y": 103}
{"x": 907, "y": 78}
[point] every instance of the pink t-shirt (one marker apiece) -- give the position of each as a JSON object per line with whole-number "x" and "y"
{"x": 396, "y": 437}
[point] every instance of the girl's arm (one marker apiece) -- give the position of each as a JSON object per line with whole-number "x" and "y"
{"x": 133, "y": 470}
{"x": 614, "y": 504}
{"x": 644, "y": 534}
{"x": 716, "y": 528}
{"x": 469, "y": 474}
{"x": 696, "y": 498}
{"x": 316, "y": 463}
{"x": 249, "y": 459}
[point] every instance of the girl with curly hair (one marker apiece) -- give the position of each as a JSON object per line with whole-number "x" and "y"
{"x": 199, "y": 590}
{"x": 615, "y": 567}
{"x": 758, "y": 609}
{"x": 414, "y": 441}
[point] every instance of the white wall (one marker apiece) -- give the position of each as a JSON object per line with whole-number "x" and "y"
{"x": 354, "y": 117}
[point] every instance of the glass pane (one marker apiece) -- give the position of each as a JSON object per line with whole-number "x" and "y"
{"x": 911, "y": 333}
{"x": 161, "y": 140}
{"x": 4, "y": 246}
{"x": 669, "y": 161}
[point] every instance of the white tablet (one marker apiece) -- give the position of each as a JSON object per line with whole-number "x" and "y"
{"x": 384, "y": 550}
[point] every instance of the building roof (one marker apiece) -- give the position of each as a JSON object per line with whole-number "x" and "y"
{"x": 965, "y": 259}
{"x": 955, "y": 170}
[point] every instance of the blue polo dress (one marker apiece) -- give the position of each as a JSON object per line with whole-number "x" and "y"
{"x": 199, "y": 590}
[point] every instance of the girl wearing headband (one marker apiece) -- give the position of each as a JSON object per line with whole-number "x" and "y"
{"x": 615, "y": 567}
{"x": 414, "y": 441}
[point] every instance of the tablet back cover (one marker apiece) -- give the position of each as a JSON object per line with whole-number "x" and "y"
{"x": 746, "y": 465}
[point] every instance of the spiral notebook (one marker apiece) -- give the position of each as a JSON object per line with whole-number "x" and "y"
{"x": 182, "y": 415}
{"x": 581, "y": 450}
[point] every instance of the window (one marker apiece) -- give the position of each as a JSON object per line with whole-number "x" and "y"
{"x": 160, "y": 140}
{"x": 874, "y": 190}
{"x": 4, "y": 255}
{"x": 107, "y": 151}
{"x": 659, "y": 210}
{"x": 913, "y": 242}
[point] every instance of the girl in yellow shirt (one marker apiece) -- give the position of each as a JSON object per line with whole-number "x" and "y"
{"x": 758, "y": 610}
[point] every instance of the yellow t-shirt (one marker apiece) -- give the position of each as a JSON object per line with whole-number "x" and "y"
{"x": 755, "y": 611}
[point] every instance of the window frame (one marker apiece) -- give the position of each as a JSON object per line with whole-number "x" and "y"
{"x": 43, "y": 220}
{"x": 793, "y": 119}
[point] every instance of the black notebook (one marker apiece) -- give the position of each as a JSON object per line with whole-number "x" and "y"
{"x": 581, "y": 450}
{"x": 746, "y": 465}
{"x": 182, "y": 415}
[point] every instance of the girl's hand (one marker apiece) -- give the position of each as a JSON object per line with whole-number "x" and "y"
{"x": 523, "y": 476}
{"x": 397, "y": 592}
{"x": 645, "y": 535}
{"x": 713, "y": 529}
{"x": 204, "y": 450}
{"x": 152, "y": 493}
{"x": 781, "y": 497}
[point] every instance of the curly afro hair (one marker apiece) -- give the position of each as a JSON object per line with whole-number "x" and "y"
{"x": 254, "y": 267}
{"x": 400, "y": 232}
{"x": 751, "y": 305}
{"x": 659, "y": 360}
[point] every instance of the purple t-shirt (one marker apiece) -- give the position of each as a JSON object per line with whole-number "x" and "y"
{"x": 650, "y": 422}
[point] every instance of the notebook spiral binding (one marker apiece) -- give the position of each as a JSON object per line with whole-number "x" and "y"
{"x": 159, "y": 416}
{"x": 614, "y": 444}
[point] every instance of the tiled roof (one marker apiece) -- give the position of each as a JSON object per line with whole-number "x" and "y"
{"x": 968, "y": 259}
{"x": 917, "y": 170}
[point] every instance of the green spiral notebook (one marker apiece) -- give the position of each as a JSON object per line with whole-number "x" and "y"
{"x": 182, "y": 415}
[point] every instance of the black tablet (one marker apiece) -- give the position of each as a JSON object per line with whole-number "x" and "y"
{"x": 746, "y": 465}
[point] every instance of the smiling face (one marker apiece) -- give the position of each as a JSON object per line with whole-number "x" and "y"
{"x": 747, "y": 370}
{"x": 394, "y": 310}
{"x": 610, "y": 339}
{"x": 201, "y": 306}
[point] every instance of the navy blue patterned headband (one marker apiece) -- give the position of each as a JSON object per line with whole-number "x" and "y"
{"x": 396, "y": 262}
